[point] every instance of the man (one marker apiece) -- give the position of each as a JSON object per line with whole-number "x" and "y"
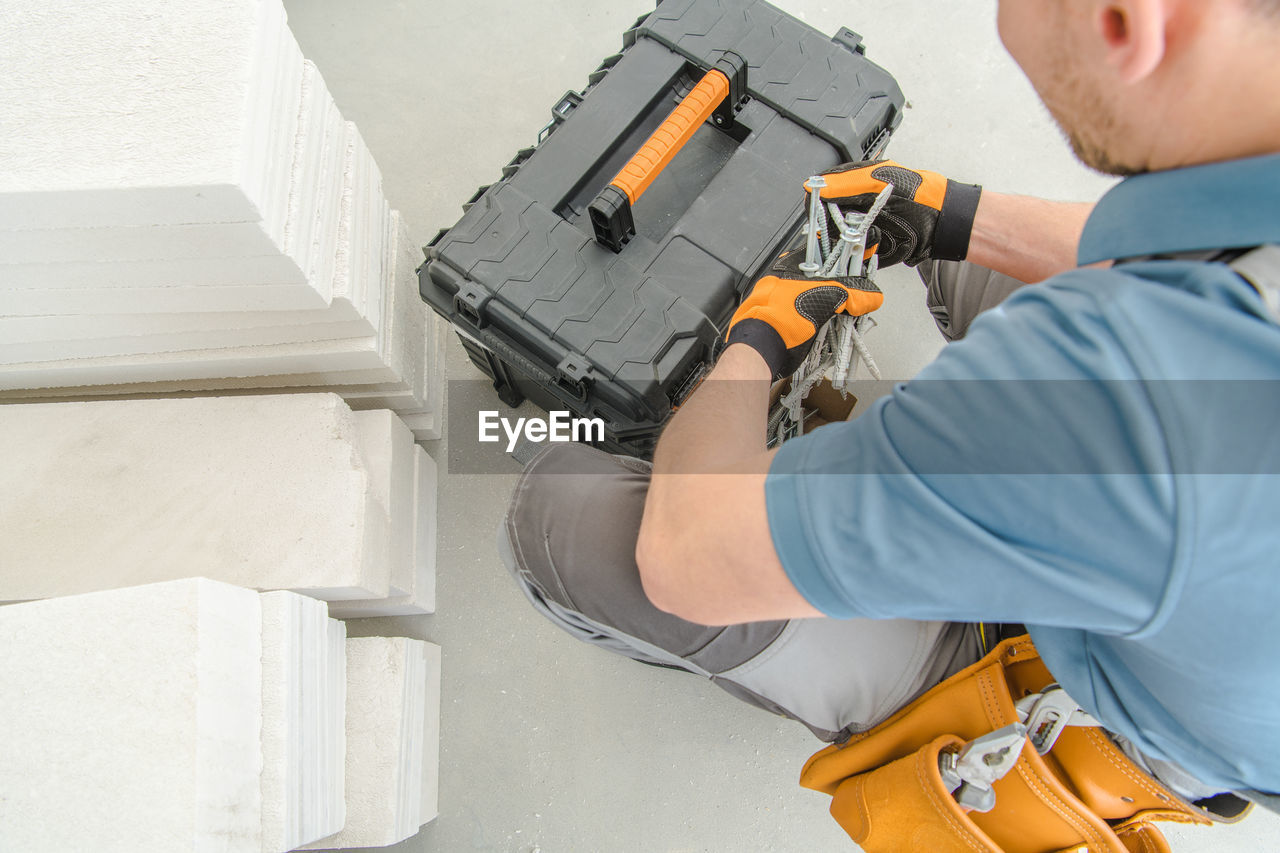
{"x": 1085, "y": 459}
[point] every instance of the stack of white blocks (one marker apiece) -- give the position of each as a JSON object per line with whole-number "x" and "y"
{"x": 291, "y": 491}
{"x": 393, "y": 733}
{"x": 186, "y": 210}
{"x": 303, "y": 721}
{"x": 184, "y": 213}
{"x": 233, "y": 721}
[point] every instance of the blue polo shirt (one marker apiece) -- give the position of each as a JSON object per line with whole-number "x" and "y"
{"x": 1098, "y": 458}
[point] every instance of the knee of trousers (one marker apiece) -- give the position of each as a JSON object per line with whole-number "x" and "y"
{"x": 571, "y": 526}
{"x": 569, "y": 538}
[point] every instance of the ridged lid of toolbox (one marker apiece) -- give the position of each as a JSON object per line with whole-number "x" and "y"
{"x": 626, "y": 335}
{"x": 813, "y": 80}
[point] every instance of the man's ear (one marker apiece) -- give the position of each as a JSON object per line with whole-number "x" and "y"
{"x": 1133, "y": 34}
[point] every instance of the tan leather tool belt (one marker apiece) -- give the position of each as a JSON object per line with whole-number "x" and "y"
{"x": 894, "y": 788}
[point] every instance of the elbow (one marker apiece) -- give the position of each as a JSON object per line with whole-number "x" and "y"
{"x": 652, "y": 562}
{"x": 658, "y": 561}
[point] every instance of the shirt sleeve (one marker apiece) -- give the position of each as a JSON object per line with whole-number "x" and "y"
{"x": 1022, "y": 477}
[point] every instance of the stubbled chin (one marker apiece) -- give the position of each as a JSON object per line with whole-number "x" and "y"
{"x": 1091, "y": 154}
{"x": 1099, "y": 160}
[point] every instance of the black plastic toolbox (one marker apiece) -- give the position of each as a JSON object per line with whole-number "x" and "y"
{"x": 561, "y": 297}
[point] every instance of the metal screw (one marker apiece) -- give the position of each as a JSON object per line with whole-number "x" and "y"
{"x": 812, "y": 258}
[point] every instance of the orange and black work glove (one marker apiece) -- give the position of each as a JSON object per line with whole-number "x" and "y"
{"x": 781, "y": 316}
{"x": 927, "y": 217}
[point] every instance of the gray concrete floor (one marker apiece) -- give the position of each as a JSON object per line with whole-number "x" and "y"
{"x": 548, "y": 745}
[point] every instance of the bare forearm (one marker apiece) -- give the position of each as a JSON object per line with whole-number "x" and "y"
{"x": 1028, "y": 238}
{"x": 723, "y": 421}
{"x": 704, "y": 551}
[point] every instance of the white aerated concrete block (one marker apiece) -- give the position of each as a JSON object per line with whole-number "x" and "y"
{"x": 154, "y": 270}
{"x": 88, "y": 343}
{"x": 409, "y": 787}
{"x": 395, "y": 350}
{"x": 281, "y": 652}
{"x": 145, "y": 328}
{"x": 401, "y": 367}
{"x": 146, "y": 112}
{"x": 361, "y": 389}
{"x": 317, "y": 181}
{"x": 421, "y": 598}
{"x": 267, "y": 492}
{"x": 331, "y": 759}
{"x": 352, "y": 354}
{"x": 427, "y": 417}
{"x": 316, "y": 238}
{"x": 381, "y": 397}
{"x": 427, "y": 422}
{"x": 303, "y": 712}
{"x": 116, "y": 244}
{"x": 387, "y": 685}
{"x": 339, "y": 383}
{"x": 131, "y": 721}
{"x": 387, "y": 446}
{"x": 274, "y": 283}
{"x": 429, "y": 808}
{"x": 406, "y": 334}
{"x": 426, "y": 426}
{"x": 426, "y": 531}
{"x": 150, "y": 269}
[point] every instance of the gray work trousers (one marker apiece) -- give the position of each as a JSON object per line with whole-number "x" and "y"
{"x": 569, "y": 539}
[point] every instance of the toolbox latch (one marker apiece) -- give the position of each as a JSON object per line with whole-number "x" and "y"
{"x": 850, "y": 41}
{"x": 565, "y": 106}
{"x": 573, "y": 374}
{"x": 560, "y": 113}
{"x": 469, "y": 303}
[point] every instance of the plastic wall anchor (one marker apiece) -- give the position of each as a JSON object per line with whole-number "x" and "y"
{"x": 844, "y": 352}
{"x": 865, "y": 354}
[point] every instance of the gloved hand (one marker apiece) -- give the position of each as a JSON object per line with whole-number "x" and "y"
{"x": 928, "y": 216}
{"x": 782, "y": 314}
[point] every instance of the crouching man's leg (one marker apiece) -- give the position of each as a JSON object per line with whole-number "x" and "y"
{"x": 569, "y": 538}
{"x": 959, "y": 291}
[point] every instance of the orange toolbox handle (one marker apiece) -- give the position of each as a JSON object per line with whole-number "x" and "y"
{"x": 719, "y": 94}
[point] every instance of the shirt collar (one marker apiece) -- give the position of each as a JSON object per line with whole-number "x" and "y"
{"x": 1227, "y": 205}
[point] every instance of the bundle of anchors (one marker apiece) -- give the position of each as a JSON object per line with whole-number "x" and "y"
{"x": 891, "y": 214}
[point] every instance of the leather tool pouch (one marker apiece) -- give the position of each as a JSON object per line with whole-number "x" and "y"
{"x": 1084, "y": 795}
